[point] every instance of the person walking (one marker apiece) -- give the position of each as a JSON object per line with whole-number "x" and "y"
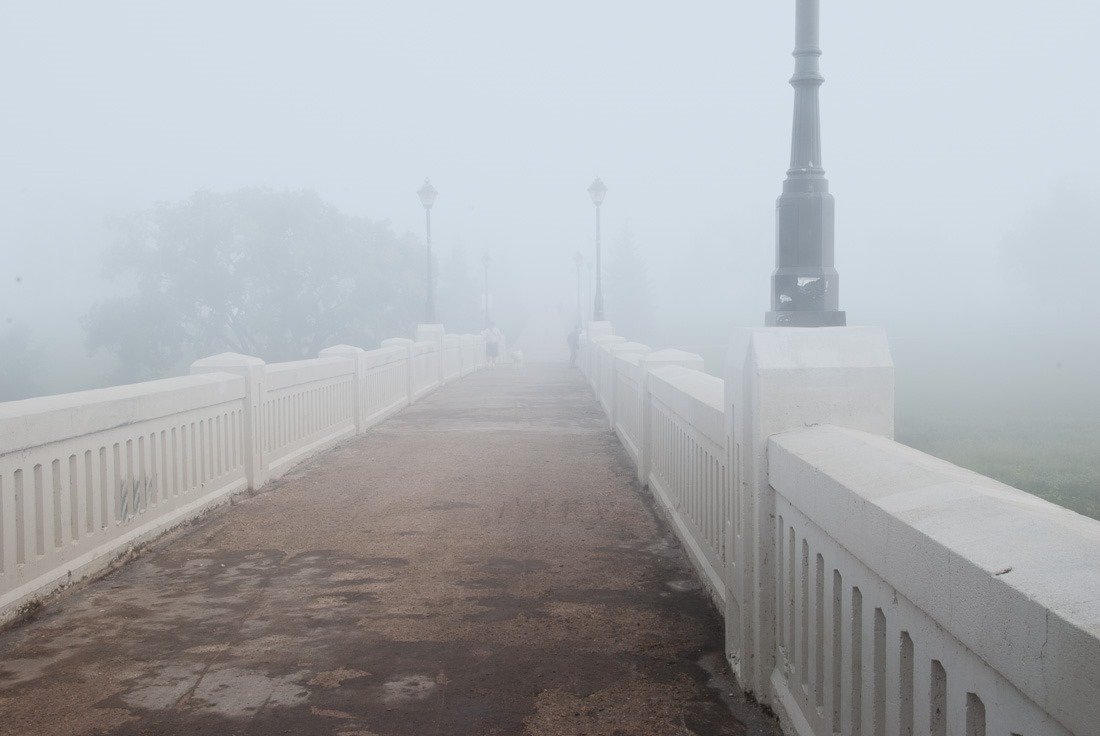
{"x": 493, "y": 337}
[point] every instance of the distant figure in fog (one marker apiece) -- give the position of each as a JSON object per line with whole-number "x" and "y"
{"x": 492, "y": 336}
{"x": 574, "y": 341}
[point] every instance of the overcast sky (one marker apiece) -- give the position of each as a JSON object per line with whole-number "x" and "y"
{"x": 958, "y": 136}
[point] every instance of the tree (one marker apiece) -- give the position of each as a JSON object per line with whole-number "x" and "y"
{"x": 279, "y": 275}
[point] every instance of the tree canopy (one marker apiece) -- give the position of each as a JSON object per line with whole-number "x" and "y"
{"x": 278, "y": 275}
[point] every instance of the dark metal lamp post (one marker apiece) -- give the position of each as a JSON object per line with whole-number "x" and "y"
{"x": 805, "y": 284}
{"x": 485, "y": 262}
{"x": 427, "y": 195}
{"x": 597, "y": 191}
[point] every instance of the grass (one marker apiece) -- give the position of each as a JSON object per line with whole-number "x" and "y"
{"x": 1055, "y": 458}
{"x": 1036, "y": 432}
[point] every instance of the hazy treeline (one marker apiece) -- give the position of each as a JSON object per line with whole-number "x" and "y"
{"x": 276, "y": 274}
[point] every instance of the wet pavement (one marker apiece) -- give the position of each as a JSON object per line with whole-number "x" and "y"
{"x": 484, "y": 562}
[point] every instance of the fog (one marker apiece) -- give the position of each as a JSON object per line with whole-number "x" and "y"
{"x": 959, "y": 142}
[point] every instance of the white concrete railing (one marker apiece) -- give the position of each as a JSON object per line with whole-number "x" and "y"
{"x": 452, "y": 358}
{"x": 867, "y": 588}
{"x": 425, "y": 369}
{"x": 86, "y": 476}
{"x": 627, "y": 403}
{"x": 686, "y": 451}
{"x": 307, "y": 405}
{"x": 956, "y": 602}
{"x": 623, "y": 392}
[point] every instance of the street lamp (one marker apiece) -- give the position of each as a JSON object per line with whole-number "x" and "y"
{"x": 485, "y": 262}
{"x": 427, "y": 194}
{"x": 597, "y": 192}
{"x": 805, "y": 284}
{"x": 579, "y": 260}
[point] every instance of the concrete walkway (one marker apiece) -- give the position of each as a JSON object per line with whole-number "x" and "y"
{"x": 482, "y": 563}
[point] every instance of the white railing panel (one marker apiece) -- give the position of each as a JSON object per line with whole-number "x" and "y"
{"x": 125, "y": 463}
{"x": 308, "y": 405}
{"x": 628, "y": 404}
{"x": 385, "y": 387}
{"x": 951, "y": 594}
{"x": 605, "y": 368}
{"x": 688, "y": 466}
{"x": 425, "y": 368}
{"x": 452, "y": 358}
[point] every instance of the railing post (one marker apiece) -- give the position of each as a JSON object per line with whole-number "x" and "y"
{"x": 652, "y": 361}
{"x": 356, "y": 355}
{"x": 404, "y": 342}
{"x": 253, "y": 371}
{"x": 778, "y": 379}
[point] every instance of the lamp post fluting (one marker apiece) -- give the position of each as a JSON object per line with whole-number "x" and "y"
{"x": 427, "y": 194}
{"x": 597, "y": 191}
{"x": 485, "y": 260}
{"x": 578, "y": 259}
{"x": 805, "y": 284}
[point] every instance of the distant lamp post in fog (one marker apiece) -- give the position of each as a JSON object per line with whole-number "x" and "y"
{"x": 427, "y": 195}
{"x": 597, "y": 192}
{"x": 578, "y": 259}
{"x": 485, "y": 260}
{"x": 805, "y": 284}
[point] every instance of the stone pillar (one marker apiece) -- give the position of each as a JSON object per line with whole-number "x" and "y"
{"x": 779, "y": 379}
{"x": 254, "y": 373}
{"x": 355, "y": 355}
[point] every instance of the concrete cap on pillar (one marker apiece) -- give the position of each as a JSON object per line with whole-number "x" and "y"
{"x": 671, "y": 356}
{"x": 340, "y": 351}
{"x": 225, "y": 360}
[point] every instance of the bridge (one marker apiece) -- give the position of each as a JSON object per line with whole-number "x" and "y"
{"x": 481, "y": 562}
{"x": 398, "y": 540}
